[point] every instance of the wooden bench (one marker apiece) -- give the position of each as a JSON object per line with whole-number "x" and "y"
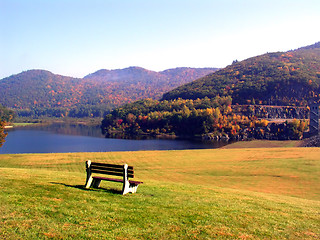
{"x": 123, "y": 171}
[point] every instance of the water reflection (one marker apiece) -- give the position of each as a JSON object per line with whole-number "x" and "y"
{"x": 61, "y": 138}
{"x": 68, "y": 129}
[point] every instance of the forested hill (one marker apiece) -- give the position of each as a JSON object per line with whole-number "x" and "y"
{"x": 40, "y": 92}
{"x": 39, "y": 88}
{"x": 280, "y": 78}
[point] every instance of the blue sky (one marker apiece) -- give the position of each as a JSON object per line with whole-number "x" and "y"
{"x": 78, "y": 37}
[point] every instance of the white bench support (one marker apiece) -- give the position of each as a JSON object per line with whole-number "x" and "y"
{"x": 127, "y": 185}
{"x": 89, "y": 177}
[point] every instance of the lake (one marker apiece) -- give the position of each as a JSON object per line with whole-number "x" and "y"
{"x": 62, "y": 138}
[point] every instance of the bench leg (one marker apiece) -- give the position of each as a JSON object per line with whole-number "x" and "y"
{"x": 134, "y": 188}
{"x": 96, "y": 183}
{"x": 93, "y": 182}
{"x": 89, "y": 178}
{"x": 89, "y": 181}
{"x": 127, "y": 188}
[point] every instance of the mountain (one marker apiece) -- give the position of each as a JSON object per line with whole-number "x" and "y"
{"x": 280, "y": 78}
{"x": 38, "y": 88}
{"x": 40, "y": 92}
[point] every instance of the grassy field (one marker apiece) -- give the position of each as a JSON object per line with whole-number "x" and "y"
{"x": 24, "y": 124}
{"x": 240, "y": 193}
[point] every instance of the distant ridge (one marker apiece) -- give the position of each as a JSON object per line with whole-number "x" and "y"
{"x": 139, "y": 74}
{"x": 125, "y": 74}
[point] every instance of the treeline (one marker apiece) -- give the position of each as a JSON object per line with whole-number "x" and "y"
{"x": 82, "y": 111}
{"x": 207, "y": 118}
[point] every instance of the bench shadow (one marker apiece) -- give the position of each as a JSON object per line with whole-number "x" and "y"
{"x": 81, "y": 187}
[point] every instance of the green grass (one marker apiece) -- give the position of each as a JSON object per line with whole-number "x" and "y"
{"x": 23, "y": 124}
{"x": 263, "y": 144}
{"x": 258, "y": 193}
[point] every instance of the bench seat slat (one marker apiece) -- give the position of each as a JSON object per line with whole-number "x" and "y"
{"x": 109, "y": 179}
{"x": 135, "y": 182}
{"x": 117, "y": 180}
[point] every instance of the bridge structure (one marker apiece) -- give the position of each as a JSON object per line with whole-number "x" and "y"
{"x": 314, "y": 119}
{"x": 278, "y": 113}
{"x": 273, "y": 112}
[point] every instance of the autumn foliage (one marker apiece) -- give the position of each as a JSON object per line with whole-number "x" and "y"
{"x": 206, "y": 118}
{"x": 2, "y": 133}
{"x": 6, "y": 115}
{"x": 37, "y": 93}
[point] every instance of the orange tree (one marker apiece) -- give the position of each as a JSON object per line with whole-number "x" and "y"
{"x": 6, "y": 115}
{"x": 2, "y": 133}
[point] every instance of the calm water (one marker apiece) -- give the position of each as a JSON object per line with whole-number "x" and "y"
{"x": 60, "y": 138}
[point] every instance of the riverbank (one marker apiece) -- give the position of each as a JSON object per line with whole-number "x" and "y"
{"x": 311, "y": 142}
{"x": 86, "y": 122}
{"x": 264, "y": 144}
{"x": 22, "y": 125}
{"x": 253, "y": 143}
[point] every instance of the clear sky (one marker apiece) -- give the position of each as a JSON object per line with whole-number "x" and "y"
{"x": 78, "y": 37}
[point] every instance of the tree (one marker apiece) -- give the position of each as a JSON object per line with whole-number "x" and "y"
{"x": 6, "y": 115}
{"x": 2, "y": 133}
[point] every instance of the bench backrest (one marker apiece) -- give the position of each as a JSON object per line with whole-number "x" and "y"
{"x": 110, "y": 169}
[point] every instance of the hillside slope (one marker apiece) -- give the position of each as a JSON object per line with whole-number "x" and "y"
{"x": 281, "y": 78}
{"x": 40, "y": 92}
{"x": 39, "y": 88}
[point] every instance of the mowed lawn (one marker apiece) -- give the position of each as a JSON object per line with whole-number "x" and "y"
{"x": 250, "y": 193}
